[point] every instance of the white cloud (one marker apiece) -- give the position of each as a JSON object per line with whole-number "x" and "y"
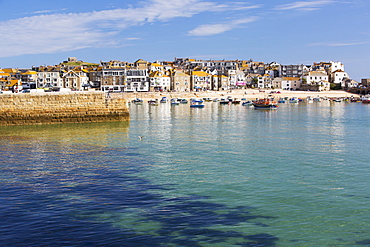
{"x": 304, "y": 5}
{"x": 212, "y": 29}
{"x": 66, "y": 32}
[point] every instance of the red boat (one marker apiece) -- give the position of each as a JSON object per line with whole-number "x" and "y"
{"x": 265, "y": 103}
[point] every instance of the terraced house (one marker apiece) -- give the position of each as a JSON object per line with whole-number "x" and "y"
{"x": 180, "y": 81}
{"x": 200, "y": 80}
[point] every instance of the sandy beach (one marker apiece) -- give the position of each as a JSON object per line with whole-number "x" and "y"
{"x": 249, "y": 94}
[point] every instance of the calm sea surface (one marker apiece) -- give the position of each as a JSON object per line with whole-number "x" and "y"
{"x": 219, "y": 176}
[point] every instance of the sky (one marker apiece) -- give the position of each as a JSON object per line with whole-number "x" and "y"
{"x": 40, "y": 32}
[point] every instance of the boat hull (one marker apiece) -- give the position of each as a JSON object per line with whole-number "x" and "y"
{"x": 259, "y": 106}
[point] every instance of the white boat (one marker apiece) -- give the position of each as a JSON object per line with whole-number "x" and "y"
{"x": 309, "y": 100}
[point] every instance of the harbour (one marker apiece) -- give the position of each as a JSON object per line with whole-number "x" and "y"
{"x": 224, "y": 175}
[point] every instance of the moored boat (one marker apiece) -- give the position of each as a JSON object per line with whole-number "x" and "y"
{"x": 196, "y": 105}
{"x": 153, "y": 102}
{"x": 309, "y": 99}
{"x": 137, "y": 101}
{"x": 164, "y": 100}
{"x": 174, "y": 101}
{"x": 183, "y": 101}
{"x": 235, "y": 101}
{"x": 195, "y": 100}
{"x": 224, "y": 101}
{"x": 247, "y": 103}
{"x": 366, "y": 100}
{"x": 265, "y": 103}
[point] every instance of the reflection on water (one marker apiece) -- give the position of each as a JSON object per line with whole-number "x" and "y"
{"x": 80, "y": 184}
{"x": 91, "y": 133}
{"x": 225, "y": 175}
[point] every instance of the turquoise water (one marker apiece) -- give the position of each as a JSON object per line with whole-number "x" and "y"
{"x": 225, "y": 175}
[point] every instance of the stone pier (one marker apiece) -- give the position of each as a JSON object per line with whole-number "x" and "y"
{"x": 55, "y": 108}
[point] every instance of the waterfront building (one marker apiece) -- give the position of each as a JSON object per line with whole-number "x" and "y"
{"x": 159, "y": 81}
{"x": 75, "y": 79}
{"x": 108, "y": 79}
{"x": 200, "y": 80}
{"x": 277, "y": 82}
{"x": 48, "y": 77}
{"x": 220, "y": 82}
{"x": 349, "y": 83}
{"x": 338, "y": 77}
{"x": 260, "y": 81}
{"x": 249, "y": 80}
{"x": 236, "y": 78}
{"x": 313, "y": 77}
{"x": 291, "y": 83}
{"x": 335, "y": 71}
{"x": 137, "y": 80}
{"x": 267, "y": 80}
{"x": 180, "y": 81}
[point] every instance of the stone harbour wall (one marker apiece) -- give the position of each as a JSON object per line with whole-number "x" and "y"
{"x": 54, "y": 108}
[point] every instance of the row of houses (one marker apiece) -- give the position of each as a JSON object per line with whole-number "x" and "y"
{"x": 182, "y": 74}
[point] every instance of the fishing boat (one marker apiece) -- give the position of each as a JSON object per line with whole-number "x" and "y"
{"x": 224, "y": 101}
{"x": 293, "y": 100}
{"x": 153, "y": 102}
{"x": 183, "y": 101}
{"x": 137, "y": 101}
{"x": 235, "y": 101}
{"x": 195, "y": 100}
{"x": 207, "y": 99}
{"x": 309, "y": 100}
{"x": 265, "y": 103}
{"x": 175, "y": 101}
{"x": 366, "y": 100}
{"x": 196, "y": 105}
{"x": 247, "y": 103}
{"x": 164, "y": 100}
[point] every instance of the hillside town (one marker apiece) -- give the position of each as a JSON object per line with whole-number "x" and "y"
{"x": 180, "y": 75}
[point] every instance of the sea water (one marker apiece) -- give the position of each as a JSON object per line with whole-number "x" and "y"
{"x": 224, "y": 175}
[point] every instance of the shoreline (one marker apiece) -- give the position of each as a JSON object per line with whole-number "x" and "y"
{"x": 249, "y": 94}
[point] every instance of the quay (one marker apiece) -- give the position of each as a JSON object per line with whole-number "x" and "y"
{"x": 56, "y": 108}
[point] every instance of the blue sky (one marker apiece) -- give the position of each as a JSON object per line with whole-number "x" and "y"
{"x": 42, "y": 32}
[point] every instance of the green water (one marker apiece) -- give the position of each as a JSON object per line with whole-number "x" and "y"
{"x": 306, "y": 166}
{"x": 224, "y": 175}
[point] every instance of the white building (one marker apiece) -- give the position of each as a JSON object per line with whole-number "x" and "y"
{"x": 137, "y": 80}
{"x": 159, "y": 81}
{"x": 338, "y": 77}
{"x": 49, "y": 78}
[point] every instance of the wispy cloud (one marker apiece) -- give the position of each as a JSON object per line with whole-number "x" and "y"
{"x": 304, "y": 5}
{"x": 339, "y": 43}
{"x": 48, "y": 11}
{"x": 212, "y": 29}
{"x": 51, "y": 33}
